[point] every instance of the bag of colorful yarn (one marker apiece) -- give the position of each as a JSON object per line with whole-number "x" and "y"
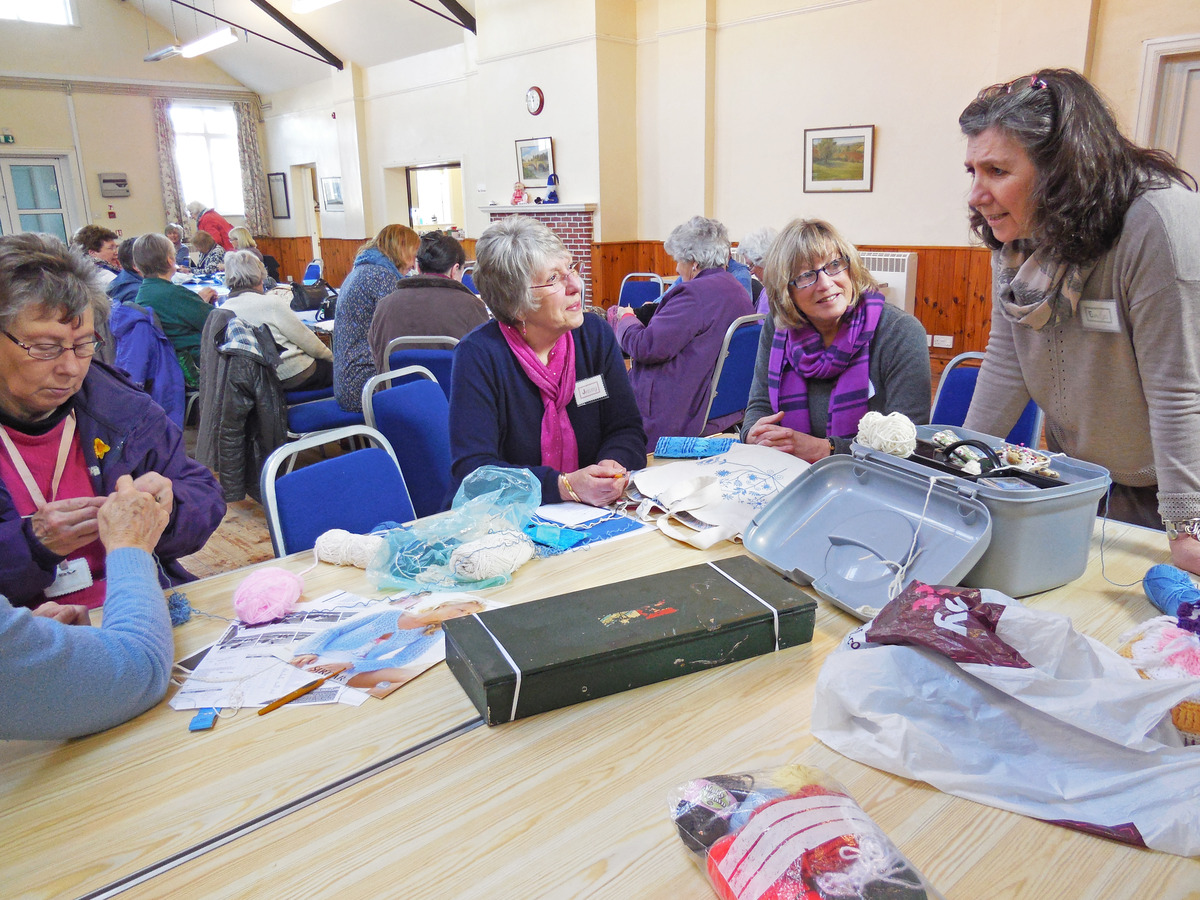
{"x": 478, "y": 543}
{"x": 792, "y": 833}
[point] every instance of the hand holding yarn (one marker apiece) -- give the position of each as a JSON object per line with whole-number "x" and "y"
{"x": 894, "y": 433}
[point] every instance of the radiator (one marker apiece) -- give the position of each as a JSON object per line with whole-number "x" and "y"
{"x": 897, "y": 276}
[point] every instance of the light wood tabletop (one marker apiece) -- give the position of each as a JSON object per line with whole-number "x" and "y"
{"x": 573, "y": 803}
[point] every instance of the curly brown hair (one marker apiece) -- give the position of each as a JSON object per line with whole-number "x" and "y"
{"x": 1088, "y": 173}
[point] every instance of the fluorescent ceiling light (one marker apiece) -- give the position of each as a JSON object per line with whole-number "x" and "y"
{"x": 220, "y": 38}
{"x": 165, "y": 53}
{"x": 307, "y": 6}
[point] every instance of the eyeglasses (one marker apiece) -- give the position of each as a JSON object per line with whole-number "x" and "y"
{"x": 1031, "y": 82}
{"x": 809, "y": 278}
{"x": 559, "y": 277}
{"x": 83, "y": 350}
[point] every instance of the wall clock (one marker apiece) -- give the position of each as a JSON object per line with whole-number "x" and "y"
{"x": 534, "y": 100}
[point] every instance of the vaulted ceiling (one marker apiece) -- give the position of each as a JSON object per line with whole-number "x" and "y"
{"x": 365, "y": 32}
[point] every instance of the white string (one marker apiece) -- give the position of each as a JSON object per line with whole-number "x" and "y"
{"x": 774, "y": 611}
{"x": 897, "y": 582}
{"x": 512, "y": 663}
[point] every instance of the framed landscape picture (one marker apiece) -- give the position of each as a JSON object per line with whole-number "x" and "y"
{"x": 535, "y": 161}
{"x": 839, "y": 159}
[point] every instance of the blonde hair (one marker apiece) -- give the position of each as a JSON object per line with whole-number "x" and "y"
{"x": 241, "y": 237}
{"x": 399, "y": 243}
{"x": 803, "y": 245}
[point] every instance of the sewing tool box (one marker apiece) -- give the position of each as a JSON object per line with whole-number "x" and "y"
{"x": 532, "y": 657}
{"x": 846, "y": 525}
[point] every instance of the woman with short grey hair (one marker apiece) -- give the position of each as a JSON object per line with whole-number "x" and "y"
{"x": 181, "y": 312}
{"x": 674, "y": 355}
{"x": 305, "y": 363}
{"x": 753, "y": 251}
{"x": 543, "y": 386}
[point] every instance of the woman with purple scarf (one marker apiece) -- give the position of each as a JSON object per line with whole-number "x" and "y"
{"x": 543, "y": 386}
{"x": 831, "y": 349}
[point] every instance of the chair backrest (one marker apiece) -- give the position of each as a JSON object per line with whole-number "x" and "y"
{"x": 640, "y": 287}
{"x": 953, "y": 398}
{"x": 355, "y": 491}
{"x": 415, "y": 418}
{"x": 469, "y": 283}
{"x": 401, "y": 354}
{"x": 731, "y": 380}
{"x": 314, "y": 271}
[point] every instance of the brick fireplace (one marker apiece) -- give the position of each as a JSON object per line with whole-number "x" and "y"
{"x": 572, "y": 222}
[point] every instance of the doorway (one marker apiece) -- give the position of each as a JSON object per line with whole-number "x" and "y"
{"x": 435, "y": 198}
{"x": 36, "y": 195}
{"x": 1169, "y": 104}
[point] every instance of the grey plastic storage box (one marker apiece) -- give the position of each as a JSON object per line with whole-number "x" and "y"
{"x": 846, "y": 524}
{"x": 1040, "y": 537}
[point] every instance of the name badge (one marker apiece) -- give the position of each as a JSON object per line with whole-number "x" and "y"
{"x": 72, "y": 575}
{"x": 1099, "y": 315}
{"x": 590, "y": 390}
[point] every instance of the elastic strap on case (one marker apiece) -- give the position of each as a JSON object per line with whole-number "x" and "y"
{"x": 750, "y": 593}
{"x": 507, "y": 658}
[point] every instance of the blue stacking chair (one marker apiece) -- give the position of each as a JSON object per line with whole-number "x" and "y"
{"x": 640, "y": 287}
{"x": 320, "y": 415}
{"x": 731, "y": 379}
{"x": 953, "y": 399}
{"x": 294, "y": 397}
{"x": 468, "y": 279}
{"x": 414, "y": 416}
{"x": 355, "y": 491}
{"x": 401, "y": 354}
{"x": 314, "y": 271}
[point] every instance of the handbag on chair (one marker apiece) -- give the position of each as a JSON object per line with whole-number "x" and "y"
{"x": 307, "y": 297}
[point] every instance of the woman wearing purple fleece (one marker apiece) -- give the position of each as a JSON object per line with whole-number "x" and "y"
{"x": 675, "y": 353}
{"x": 831, "y": 350}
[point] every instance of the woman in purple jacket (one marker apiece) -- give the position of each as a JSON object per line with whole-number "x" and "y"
{"x": 675, "y": 354}
{"x": 69, "y": 428}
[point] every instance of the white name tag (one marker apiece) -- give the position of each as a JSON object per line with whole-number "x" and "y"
{"x": 72, "y": 575}
{"x": 1099, "y": 315}
{"x": 590, "y": 390}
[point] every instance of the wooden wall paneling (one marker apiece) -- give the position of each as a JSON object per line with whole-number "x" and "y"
{"x": 292, "y": 253}
{"x": 338, "y": 255}
{"x": 613, "y": 260}
{"x": 468, "y": 245}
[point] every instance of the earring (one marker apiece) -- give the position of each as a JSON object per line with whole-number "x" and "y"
{"x": 523, "y": 328}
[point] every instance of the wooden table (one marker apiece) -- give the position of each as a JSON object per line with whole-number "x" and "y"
{"x": 567, "y": 804}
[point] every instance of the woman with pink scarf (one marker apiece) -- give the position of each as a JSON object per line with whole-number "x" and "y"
{"x": 543, "y": 386}
{"x": 831, "y": 349}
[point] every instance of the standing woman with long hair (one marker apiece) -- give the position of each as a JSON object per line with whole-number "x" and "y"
{"x": 1096, "y": 293}
{"x": 378, "y": 268}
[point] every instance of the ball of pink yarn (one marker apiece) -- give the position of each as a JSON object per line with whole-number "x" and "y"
{"x": 267, "y": 594}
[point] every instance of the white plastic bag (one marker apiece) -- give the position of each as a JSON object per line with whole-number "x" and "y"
{"x": 1011, "y": 707}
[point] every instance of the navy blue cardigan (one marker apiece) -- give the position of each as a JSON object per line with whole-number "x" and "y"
{"x": 496, "y": 411}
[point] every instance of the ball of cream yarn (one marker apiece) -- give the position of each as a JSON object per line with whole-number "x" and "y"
{"x": 894, "y": 433}
{"x": 341, "y": 548}
{"x": 499, "y": 553}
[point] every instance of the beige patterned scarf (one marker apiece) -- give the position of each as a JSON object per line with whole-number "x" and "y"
{"x": 1035, "y": 289}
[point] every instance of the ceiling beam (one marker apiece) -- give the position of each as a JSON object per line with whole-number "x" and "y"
{"x": 465, "y": 19}
{"x": 299, "y": 33}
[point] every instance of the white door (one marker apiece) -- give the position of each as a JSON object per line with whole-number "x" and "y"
{"x": 35, "y": 196}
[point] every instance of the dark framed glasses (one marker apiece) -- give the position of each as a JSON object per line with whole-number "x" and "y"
{"x": 809, "y": 278}
{"x": 84, "y": 349}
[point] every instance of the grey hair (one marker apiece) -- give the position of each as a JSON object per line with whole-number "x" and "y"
{"x": 508, "y": 256}
{"x": 38, "y": 270}
{"x": 172, "y": 228}
{"x": 755, "y": 245}
{"x": 702, "y": 241}
{"x": 195, "y": 208}
{"x": 153, "y": 254}
{"x": 243, "y": 270}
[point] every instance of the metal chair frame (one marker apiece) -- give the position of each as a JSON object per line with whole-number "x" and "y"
{"x": 649, "y": 276}
{"x": 733, "y": 328}
{"x": 1031, "y": 440}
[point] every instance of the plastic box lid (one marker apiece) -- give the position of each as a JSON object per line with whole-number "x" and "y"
{"x": 846, "y": 524}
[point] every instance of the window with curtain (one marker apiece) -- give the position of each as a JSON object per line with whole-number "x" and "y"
{"x": 206, "y": 151}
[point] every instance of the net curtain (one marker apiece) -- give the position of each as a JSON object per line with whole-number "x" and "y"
{"x": 168, "y": 168}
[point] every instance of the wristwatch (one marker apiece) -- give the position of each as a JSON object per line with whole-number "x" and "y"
{"x": 1176, "y": 530}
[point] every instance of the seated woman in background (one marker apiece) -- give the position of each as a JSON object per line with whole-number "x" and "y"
{"x": 753, "y": 250}
{"x": 305, "y": 362}
{"x": 378, "y": 268}
{"x": 100, "y": 246}
{"x": 174, "y": 234}
{"x": 212, "y": 254}
{"x": 181, "y": 312}
{"x": 70, "y": 428}
{"x": 63, "y": 679}
{"x": 543, "y": 387}
{"x": 124, "y": 288}
{"x": 675, "y": 354}
{"x": 831, "y": 350}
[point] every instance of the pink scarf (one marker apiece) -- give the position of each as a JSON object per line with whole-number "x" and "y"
{"x": 556, "y": 383}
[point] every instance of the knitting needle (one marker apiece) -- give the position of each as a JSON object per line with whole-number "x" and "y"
{"x": 297, "y": 693}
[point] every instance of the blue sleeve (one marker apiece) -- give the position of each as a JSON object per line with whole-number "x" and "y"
{"x": 64, "y": 681}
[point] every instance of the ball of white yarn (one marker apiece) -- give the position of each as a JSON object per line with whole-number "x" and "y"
{"x": 341, "y": 548}
{"x": 894, "y": 433}
{"x": 500, "y": 553}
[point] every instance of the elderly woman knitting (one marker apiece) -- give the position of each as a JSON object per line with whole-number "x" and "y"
{"x": 831, "y": 350}
{"x": 675, "y": 354}
{"x": 542, "y": 387}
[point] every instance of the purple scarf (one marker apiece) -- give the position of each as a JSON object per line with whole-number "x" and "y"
{"x": 798, "y": 354}
{"x": 556, "y": 383}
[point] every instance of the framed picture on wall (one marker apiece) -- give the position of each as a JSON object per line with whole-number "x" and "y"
{"x": 839, "y": 159}
{"x": 331, "y": 193}
{"x": 277, "y": 185}
{"x": 535, "y": 161}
